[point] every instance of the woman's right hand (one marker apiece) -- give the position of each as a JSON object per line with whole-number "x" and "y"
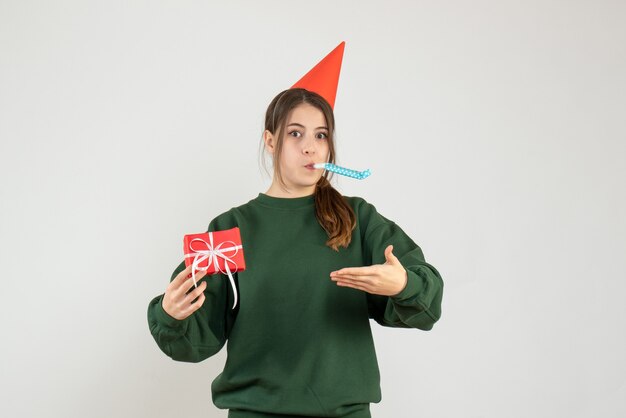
{"x": 178, "y": 301}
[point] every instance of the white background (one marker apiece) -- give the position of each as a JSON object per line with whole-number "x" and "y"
{"x": 495, "y": 132}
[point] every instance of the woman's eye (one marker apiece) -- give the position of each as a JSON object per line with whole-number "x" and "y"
{"x": 322, "y": 135}
{"x": 295, "y": 134}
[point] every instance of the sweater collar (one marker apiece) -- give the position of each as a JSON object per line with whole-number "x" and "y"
{"x": 286, "y": 202}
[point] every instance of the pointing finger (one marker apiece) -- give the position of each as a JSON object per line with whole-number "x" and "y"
{"x": 354, "y": 271}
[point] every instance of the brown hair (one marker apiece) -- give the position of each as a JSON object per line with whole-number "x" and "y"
{"x": 331, "y": 209}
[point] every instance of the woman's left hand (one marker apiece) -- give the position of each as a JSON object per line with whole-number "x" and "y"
{"x": 380, "y": 279}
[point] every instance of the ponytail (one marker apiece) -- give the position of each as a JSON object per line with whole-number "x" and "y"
{"x": 334, "y": 214}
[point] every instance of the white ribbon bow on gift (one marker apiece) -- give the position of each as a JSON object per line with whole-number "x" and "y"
{"x": 211, "y": 254}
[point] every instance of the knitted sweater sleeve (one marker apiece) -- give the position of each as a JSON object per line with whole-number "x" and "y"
{"x": 203, "y": 333}
{"x": 418, "y": 305}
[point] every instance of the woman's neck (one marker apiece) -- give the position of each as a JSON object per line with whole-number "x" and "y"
{"x": 277, "y": 191}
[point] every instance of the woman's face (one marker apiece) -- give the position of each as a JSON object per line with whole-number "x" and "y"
{"x": 305, "y": 141}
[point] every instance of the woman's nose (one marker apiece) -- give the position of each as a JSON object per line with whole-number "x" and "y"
{"x": 309, "y": 146}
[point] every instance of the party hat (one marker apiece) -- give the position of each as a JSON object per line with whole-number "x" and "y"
{"x": 324, "y": 77}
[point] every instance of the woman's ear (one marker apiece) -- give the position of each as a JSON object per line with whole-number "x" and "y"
{"x": 269, "y": 140}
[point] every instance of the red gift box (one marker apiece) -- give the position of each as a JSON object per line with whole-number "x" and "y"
{"x": 213, "y": 252}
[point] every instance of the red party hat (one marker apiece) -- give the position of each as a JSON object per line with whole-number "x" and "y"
{"x": 324, "y": 77}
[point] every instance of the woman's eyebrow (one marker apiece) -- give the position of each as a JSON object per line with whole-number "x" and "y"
{"x": 302, "y": 126}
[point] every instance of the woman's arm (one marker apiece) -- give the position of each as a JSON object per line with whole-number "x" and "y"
{"x": 204, "y": 332}
{"x": 418, "y": 305}
{"x": 200, "y": 335}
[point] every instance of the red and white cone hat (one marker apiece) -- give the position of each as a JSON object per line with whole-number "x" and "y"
{"x": 324, "y": 77}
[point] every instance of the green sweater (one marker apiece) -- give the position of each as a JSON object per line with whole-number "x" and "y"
{"x": 298, "y": 344}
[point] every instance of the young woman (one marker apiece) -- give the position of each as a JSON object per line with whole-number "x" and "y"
{"x": 318, "y": 266}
